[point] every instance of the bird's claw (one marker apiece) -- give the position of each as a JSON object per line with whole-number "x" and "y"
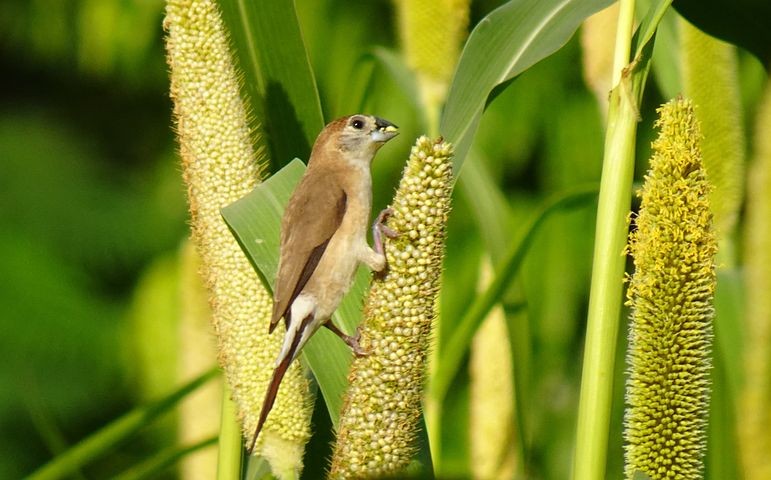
{"x": 350, "y": 340}
{"x": 380, "y": 229}
{"x": 353, "y": 342}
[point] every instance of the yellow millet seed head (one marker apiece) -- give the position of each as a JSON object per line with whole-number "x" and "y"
{"x": 381, "y": 411}
{"x": 432, "y": 32}
{"x": 671, "y": 296}
{"x": 220, "y": 166}
{"x": 492, "y": 420}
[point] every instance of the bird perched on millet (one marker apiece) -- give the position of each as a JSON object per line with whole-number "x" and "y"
{"x": 324, "y": 238}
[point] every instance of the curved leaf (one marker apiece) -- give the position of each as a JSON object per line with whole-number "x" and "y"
{"x": 504, "y": 44}
{"x": 452, "y": 355}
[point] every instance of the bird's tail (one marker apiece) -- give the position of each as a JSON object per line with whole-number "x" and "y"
{"x": 285, "y": 359}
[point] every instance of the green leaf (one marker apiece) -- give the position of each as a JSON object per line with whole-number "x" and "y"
{"x": 255, "y": 221}
{"x": 117, "y": 431}
{"x": 452, "y": 355}
{"x": 741, "y": 22}
{"x": 666, "y": 60}
{"x": 649, "y": 25}
{"x": 278, "y": 80}
{"x": 161, "y": 461}
{"x": 491, "y": 211}
{"x": 504, "y": 44}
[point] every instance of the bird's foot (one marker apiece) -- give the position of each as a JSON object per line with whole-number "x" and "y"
{"x": 353, "y": 342}
{"x": 350, "y": 340}
{"x": 380, "y": 229}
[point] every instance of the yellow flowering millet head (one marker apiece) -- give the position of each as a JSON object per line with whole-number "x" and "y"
{"x": 380, "y": 416}
{"x": 671, "y": 296}
{"x": 220, "y": 166}
{"x": 432, "y": 32}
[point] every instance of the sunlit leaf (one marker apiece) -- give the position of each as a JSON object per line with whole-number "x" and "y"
{"x": 278, "y": 80}
{"x": 502, "y": 45}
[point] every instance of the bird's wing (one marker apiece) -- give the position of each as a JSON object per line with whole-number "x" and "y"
{"x": 313, "y": 215}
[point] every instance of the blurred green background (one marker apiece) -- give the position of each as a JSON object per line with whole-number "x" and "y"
{"x": 90, "y": 195}
{"x": 91, "y": 199}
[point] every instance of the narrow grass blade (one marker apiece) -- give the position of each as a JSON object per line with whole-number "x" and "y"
{"x": 456, "y": 347}
{"x": 156, "y": 464}
{"x": 119, "y": 430}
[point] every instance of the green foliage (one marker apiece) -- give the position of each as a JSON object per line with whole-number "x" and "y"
{"x": 90, "y": 196}
{"x": 506, "y": 43}
{"x": 278, "y": 81}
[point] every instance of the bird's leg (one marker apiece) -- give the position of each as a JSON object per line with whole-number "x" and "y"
{"x": 379, "y": 229}
{"x": 351, "y": 341}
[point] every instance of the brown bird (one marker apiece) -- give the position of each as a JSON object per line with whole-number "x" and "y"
{"x": 324, "y": 238}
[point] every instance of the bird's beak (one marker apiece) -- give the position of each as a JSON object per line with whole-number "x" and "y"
{"x": 384, "y": 130}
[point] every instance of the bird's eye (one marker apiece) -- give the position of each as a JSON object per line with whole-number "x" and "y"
{"x": 357, "y": 124}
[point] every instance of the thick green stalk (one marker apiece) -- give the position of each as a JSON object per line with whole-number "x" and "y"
{"x": 608, "y": 264}
{"x": 230, "y": 449}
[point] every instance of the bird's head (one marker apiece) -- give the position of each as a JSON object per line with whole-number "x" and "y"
{"x": 356, "y": 138}
{"x": 364, "y": 134}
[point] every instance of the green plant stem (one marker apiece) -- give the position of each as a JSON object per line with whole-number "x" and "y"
{"x": 156, "y": 464}
{"x": 100, "y": 442}
{"x": 608, "y": 263}
{"x": 453, "y": 353}
{"x": 230, "y": 448}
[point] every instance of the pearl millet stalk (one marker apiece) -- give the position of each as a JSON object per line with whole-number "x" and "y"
{"x": 380, "y": 416}
{"x": 432, "y": 34}
{"x": 220, "y": 166}
{"x": 671, "y": 296}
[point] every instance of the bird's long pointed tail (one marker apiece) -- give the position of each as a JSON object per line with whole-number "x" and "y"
{"x": 278, "y": 375}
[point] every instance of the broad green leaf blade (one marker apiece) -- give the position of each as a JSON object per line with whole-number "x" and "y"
{"x": 255, "y": 220}
{"x": 504, "y": 44}
{"x": 278, "y": 80}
